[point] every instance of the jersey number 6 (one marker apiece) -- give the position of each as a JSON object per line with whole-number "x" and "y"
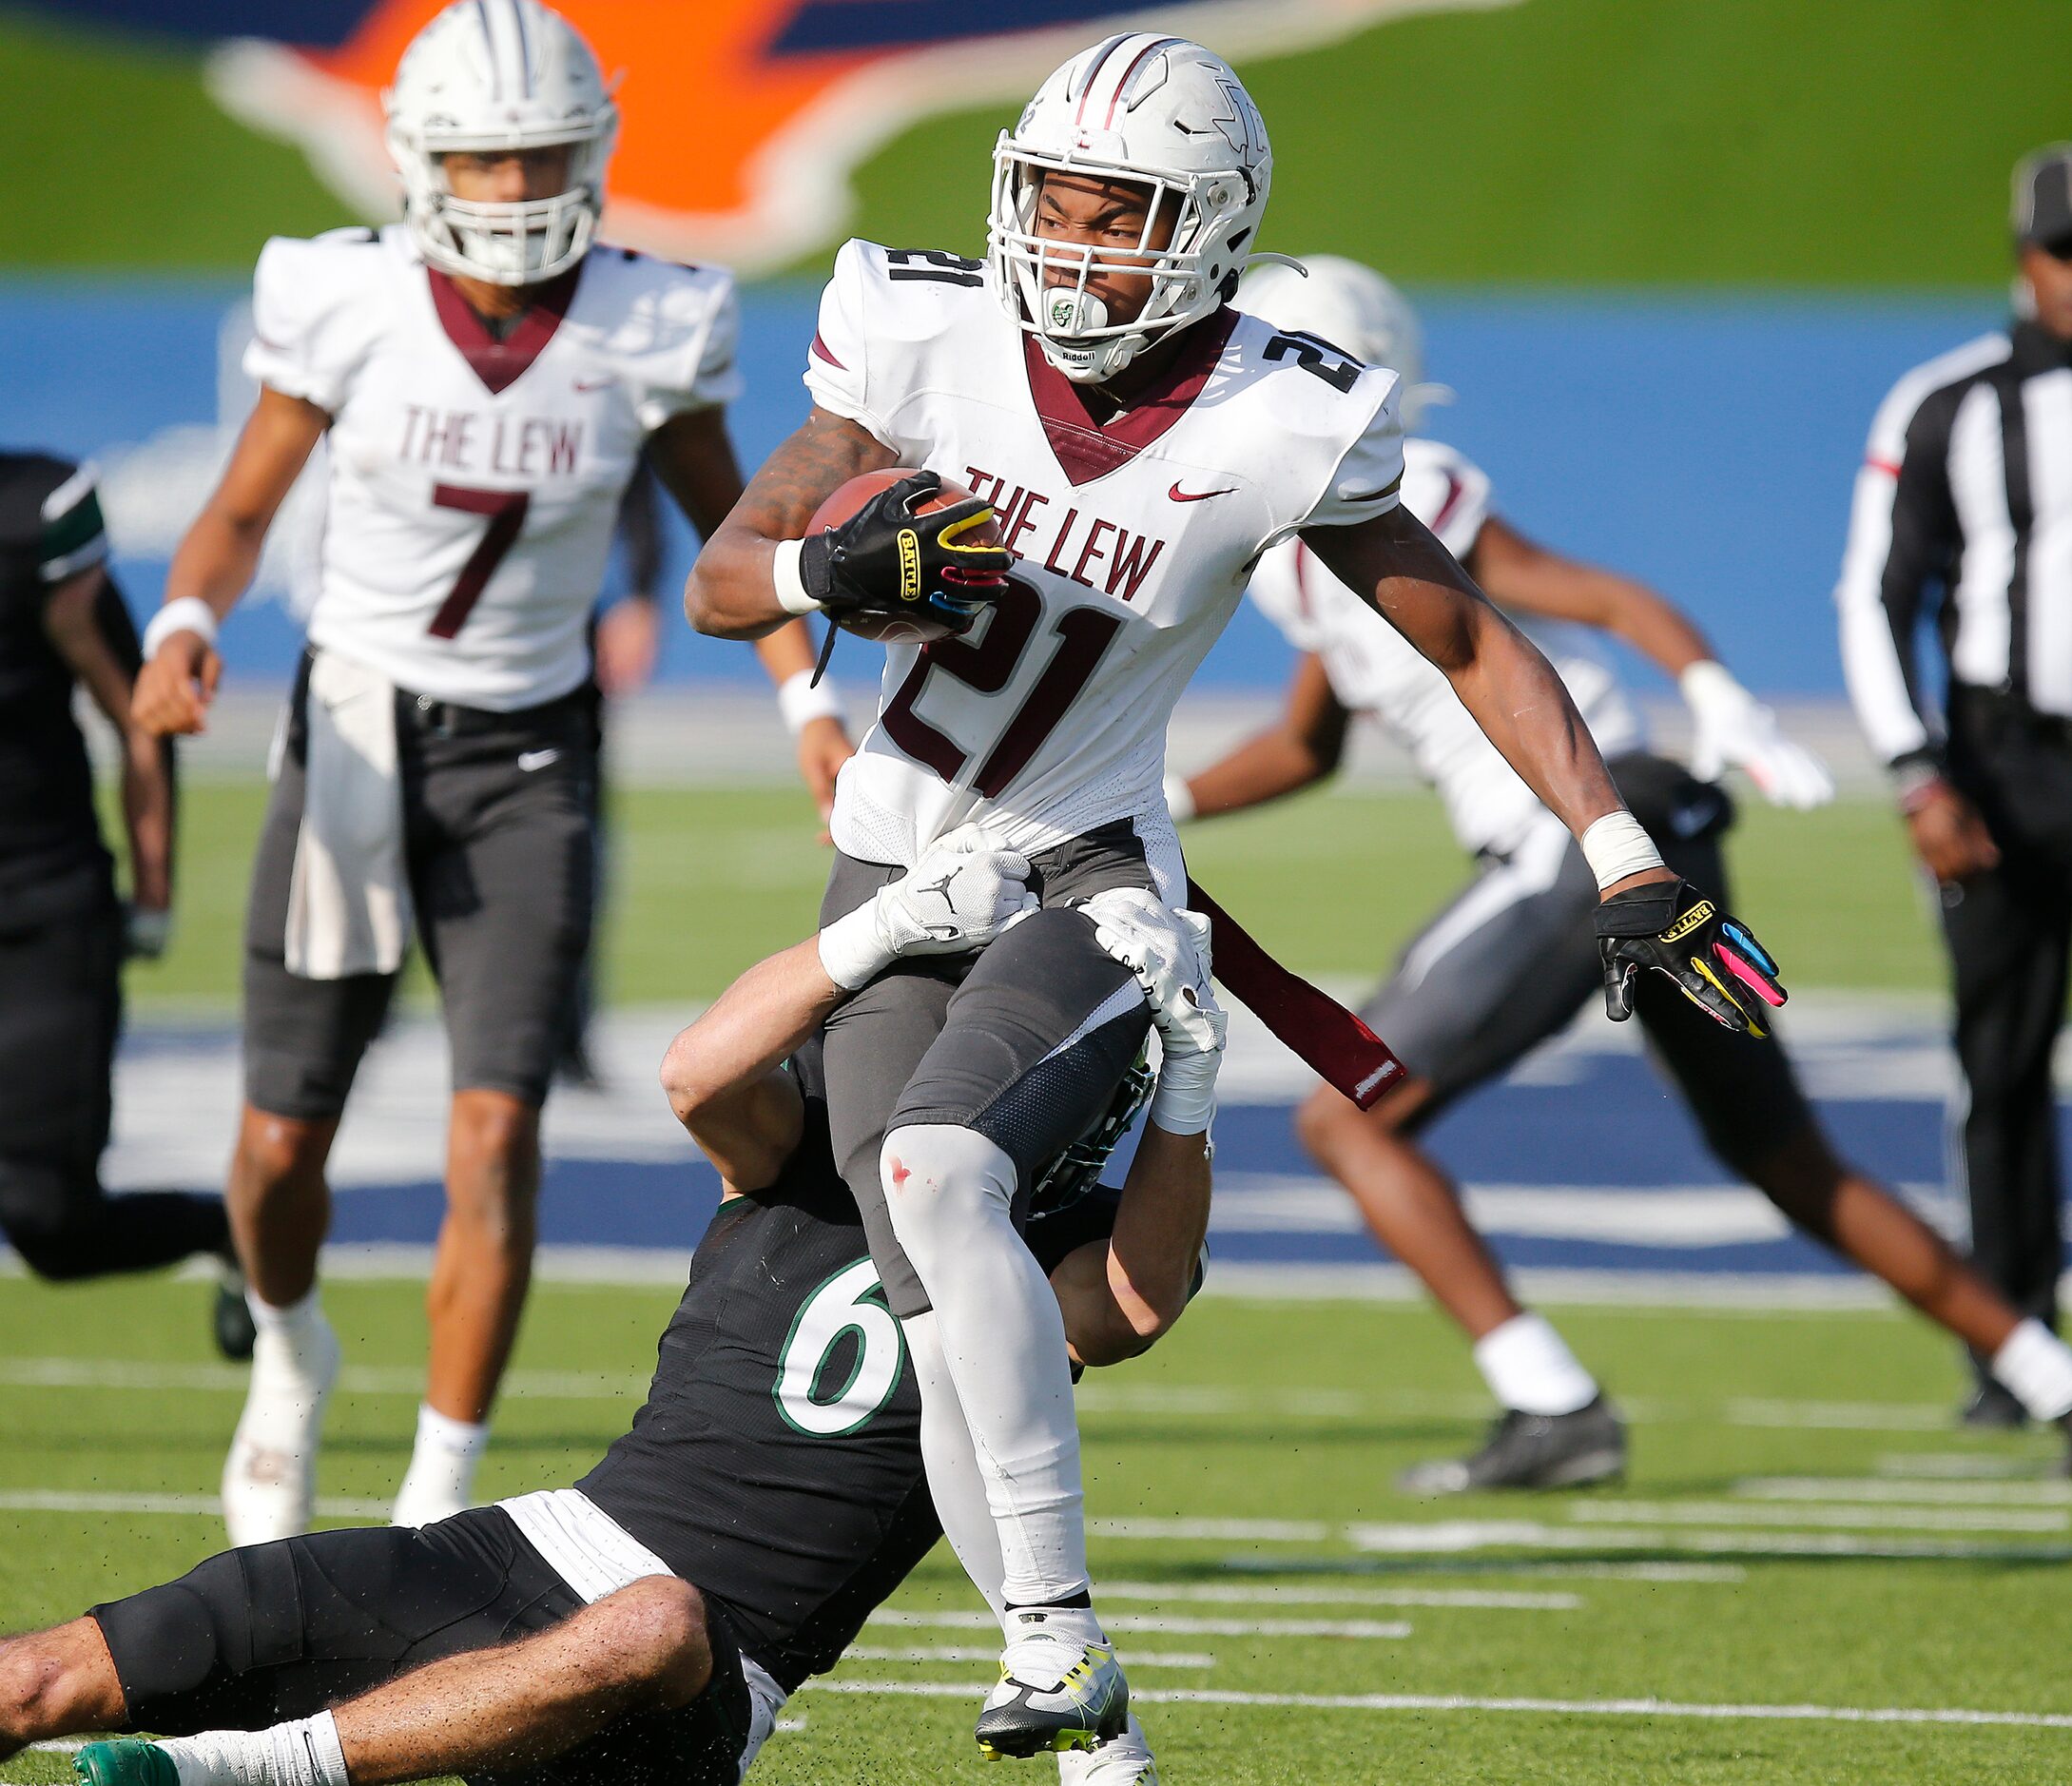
{"x": 1082, "y": 633}
{"x": 848, "y": 1305}
{"x": 506, "y": 511}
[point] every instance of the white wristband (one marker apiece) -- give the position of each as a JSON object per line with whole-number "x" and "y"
{"x": 1184, "y": 1101}
{"x": 800, "y": 703}
{"x": 853, "y": 950}
{"x": 1616, "y": 847}
{"x": 789, "y": 584}
{"x": 190, "y": 613}
{"x": 1179, "y": 798}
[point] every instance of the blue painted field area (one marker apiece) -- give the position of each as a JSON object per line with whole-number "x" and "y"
{"x": 1706, "y": 444}
{"x": 1581, "y": 1163}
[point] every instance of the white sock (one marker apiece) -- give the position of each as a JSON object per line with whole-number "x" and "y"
{"x": 950, "y": 1192}
{"x": 2035, "y": 1367}
{"x": 1528, "y": 1366}
{"x": 303, "y": 1753}
{"x": 293, "y": 1332}
{"x": 441, "y": 1476}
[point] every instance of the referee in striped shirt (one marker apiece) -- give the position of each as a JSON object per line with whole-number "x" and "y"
{"x": 1964, "y": 509}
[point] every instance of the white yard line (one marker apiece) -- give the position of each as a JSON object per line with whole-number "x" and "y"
{"x": 1462, "y": 1703}
{"x": 1840, "y": 1416}
{"x": 1214, "y": 1531}
{"x": 1957, "y": 1465}
{"x": 131, "y": 1374}
{"x": 67, "y": 1501}
{"x": 1277, "y": 1594}
{"x": 1888, "y": 1490}
{"x": 1452, "y": 1537}
{"x": 991, "y": 1656}
{"x": 1869, "y": 1518}
{"x": 1153, "y": 1625}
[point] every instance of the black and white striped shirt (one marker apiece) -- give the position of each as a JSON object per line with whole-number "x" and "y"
{"x": 1964, "y": 500}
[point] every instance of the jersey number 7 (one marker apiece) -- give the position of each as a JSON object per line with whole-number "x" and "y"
{"x": 506, "y": 511}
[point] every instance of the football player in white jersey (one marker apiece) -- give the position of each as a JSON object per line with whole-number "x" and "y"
{"x": 1139, "y": 442}
{"x": 1500, "y": 969}
{"x": 485, "y": 377}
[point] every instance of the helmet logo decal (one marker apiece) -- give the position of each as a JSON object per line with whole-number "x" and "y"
{"x": 744, "y": 119}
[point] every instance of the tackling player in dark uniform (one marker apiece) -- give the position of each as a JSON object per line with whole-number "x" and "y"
{"x": 64, "y": 934}
{"x": 776, "y": 1465}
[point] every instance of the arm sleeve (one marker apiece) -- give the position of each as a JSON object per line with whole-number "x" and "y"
{"x": 1367, "y": 479}
{"x": 838, "y": 364}
{"x": 70, "y": 536}
{"x": 1902, "y": 531}
{"x": 294, "y": 325}
{"x": 710, "y": 376}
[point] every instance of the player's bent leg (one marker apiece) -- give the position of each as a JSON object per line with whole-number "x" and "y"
{"x": 280, "y": 1207}
{"x": 1557, "y": 1430}
{"x": 66, "y": 1228}
{"x": 55, "y": 1682}
{"x": 1859, "y": 1219}
{"x": 480, "y": 1272}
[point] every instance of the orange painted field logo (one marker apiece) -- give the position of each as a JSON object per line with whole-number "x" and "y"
{"x": 744, "y": 119}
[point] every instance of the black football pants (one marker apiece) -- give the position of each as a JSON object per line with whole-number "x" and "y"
{"x": 60, "y": 1012}
{"x": 2009, "y": 934}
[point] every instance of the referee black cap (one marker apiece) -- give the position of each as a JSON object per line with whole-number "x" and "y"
{"x": 2042, "y": 197}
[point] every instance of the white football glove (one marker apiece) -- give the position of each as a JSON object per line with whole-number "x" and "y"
{"x": 959, "y": 896}
{"x": 1167, "y": 951}
{"x": 1733, "y": 727}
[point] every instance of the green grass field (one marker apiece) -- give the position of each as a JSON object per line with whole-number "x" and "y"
{"x": 1563, "y": 142}
{"x": 705, "y": 881}
{"x": 1684, "y": 1585}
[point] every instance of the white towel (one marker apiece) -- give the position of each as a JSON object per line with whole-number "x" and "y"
{"x": 349, "y": 897}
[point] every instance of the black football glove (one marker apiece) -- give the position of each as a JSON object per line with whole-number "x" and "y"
{"x": 885, "y": 559}
{"x": 1671, "y": 928}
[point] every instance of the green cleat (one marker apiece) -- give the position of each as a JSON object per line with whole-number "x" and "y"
{"x": 129, "y": 1761}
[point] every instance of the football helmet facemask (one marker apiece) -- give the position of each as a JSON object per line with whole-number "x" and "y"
{"x": 494, "y": 76}
{"x": 1165, "y": 114}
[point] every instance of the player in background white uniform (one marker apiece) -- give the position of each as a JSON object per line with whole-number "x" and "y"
{"x": 1140, "y": 443}
{"x": 1496, "y": 971}
{"x": 485, "y": 378}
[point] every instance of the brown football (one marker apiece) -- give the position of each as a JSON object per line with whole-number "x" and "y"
{"x": 894, "y": 629}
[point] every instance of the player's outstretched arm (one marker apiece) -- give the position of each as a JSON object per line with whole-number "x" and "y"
{"x": 1307, "y": 743}
{"x": 1734, "y": 729}
{"x": 732, "y": 593}
{"x": 1649, "y": 919}
{"x": 721, "y": 1074}
{"x": 1394, "y": 564}
{"x": 214, "y": 562}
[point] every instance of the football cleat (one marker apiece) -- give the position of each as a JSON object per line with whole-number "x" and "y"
{"x": 1532, "y": 1452}
{"x": 1055, "y": 1693}
{"x": 269, "y": 1485}
{"x": 129, "y": 1761}
{"x": 1124, "y": 1761}
{"x": 1992, "y": 1407}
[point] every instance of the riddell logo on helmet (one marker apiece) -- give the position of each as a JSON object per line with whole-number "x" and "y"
{"x": 741, "y": 120}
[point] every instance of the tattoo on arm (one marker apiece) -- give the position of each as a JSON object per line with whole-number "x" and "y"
{"x": 818, "y": 458}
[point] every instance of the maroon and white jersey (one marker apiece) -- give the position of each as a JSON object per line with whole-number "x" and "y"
{"x": 1134, "y": 540}
{"x": 473, "y": 482}
{"x": 1375, "y": 670}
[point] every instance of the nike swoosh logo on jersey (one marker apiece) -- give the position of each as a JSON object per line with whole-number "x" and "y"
{"x": 593, "y": 384}
{"x": 1195, "y": 496}
{"x": 531, "y": 760}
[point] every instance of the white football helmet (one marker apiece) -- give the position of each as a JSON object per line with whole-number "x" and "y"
{"x": 1168, "y": 115}
{"x": 491, "y": 76}
{"x": 1352, "y": 308}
